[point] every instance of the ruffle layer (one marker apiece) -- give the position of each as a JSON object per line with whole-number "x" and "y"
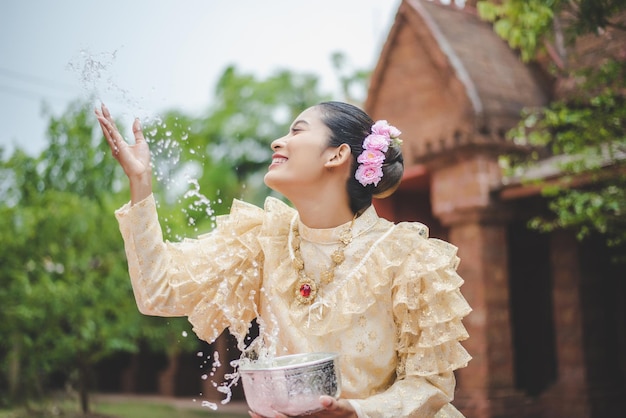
{"x": 231, "y": 302}
{"x": 429, "y": 311}
{"x": 434, "y": 360}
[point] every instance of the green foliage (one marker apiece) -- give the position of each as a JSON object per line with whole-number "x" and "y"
{"x": 203, "y": 163}
{"x": 65, "y": 295}
{"x": 590, "y": 15}
{"x": 248, "y": 114}
{"x": 588, "y": 132}
{"x": 527, "y": 24}
{"x": 589, "y": 211}
{"x": 583, "y": 136}
{"x": 522, "y": 23}
{"x": 354, "y": 82}
{"x": 64, "y": 288}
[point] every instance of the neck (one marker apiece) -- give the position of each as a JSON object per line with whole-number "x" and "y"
{"x": 323, "y": 209}
{"x": 324, "y": 215}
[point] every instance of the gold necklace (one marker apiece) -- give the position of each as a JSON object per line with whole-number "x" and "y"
{"x": 306, "y": 288}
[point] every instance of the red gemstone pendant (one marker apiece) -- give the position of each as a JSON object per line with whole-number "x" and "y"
{"x": 306, "y": 290}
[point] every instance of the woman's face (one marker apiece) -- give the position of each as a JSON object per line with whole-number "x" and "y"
{"x": 300, "y": 156}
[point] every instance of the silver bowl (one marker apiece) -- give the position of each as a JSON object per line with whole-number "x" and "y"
{"x": 290, "y": 384}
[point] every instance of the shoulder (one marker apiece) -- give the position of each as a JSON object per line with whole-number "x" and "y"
{"x": 276, "y": 206}
{"x": 417, "y": 230}
{"x": 412, "y": 239}
{"x": 271, "y": 207}
{"x": 406, "y": 237}
{"x": 245, "y": 217}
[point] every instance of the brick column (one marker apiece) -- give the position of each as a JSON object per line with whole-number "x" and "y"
{"x": 486, "y": 388}
{"x": 569, "y": 396}
{"x": 589, "y": 383}
{"x": 461, "y": 199}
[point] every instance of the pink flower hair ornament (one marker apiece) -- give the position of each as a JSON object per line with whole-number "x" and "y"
{"x": 375, "y": 145}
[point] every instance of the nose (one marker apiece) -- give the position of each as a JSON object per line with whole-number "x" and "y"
{"x": 277, "y": 143}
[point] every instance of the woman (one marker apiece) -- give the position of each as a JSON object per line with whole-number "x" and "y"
{"x": 329, "y": 275}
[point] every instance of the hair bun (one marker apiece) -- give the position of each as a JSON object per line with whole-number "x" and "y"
{"x": 393, "y": 170}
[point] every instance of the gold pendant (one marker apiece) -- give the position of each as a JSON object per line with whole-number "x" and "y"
{"x": 306, "y": 290}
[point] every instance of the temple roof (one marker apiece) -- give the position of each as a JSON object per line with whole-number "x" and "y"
{"x": 449, "y": 79}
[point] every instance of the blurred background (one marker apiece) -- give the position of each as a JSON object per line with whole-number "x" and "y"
{"x": 513, "y": 118}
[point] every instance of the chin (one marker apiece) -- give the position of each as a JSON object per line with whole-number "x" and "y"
{"x": 275, "y": 183}
{"x": 269, "y": 181}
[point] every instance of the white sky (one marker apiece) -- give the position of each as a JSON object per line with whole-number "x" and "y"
{"x": 163, "y": 54}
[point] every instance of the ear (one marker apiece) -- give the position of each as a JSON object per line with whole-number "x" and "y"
{"x": 339, "y": 156}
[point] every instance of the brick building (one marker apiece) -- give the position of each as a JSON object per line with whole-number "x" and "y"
{"x": 548, "y": 330}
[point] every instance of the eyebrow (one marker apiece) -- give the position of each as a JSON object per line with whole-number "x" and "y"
{"x": 298, "y": 122}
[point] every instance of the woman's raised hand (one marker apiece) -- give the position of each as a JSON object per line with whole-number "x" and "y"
{"x": 134, "y": 159}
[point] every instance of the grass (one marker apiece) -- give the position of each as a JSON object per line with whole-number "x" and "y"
{"x": 133, "y": 409}
{"x": 119, "y": 408}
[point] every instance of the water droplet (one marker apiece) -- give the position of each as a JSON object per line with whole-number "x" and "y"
{"x": 209, "y": 405}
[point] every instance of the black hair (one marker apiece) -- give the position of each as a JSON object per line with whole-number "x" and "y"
{"x": 350, "y": 125}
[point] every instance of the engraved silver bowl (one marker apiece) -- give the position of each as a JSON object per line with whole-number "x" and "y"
{"x": 290, "y": 384}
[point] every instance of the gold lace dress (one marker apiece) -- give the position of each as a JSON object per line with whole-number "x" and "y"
{"x": 393, "y": 310}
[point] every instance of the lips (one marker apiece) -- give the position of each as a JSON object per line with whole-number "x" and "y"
{"x": 277, "y": 159}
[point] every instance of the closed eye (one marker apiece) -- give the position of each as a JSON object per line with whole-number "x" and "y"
{"x": 298, "y": 126}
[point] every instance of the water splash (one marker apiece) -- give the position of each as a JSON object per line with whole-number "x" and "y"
{"x": 209, "y": 405}
{"x": 180, "y": 181}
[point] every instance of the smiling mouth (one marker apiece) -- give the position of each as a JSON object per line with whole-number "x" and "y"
{"x": 278, "y": 160}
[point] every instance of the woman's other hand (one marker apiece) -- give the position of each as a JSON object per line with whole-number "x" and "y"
{"x": 134, "y": 159}
{"x": 333, "y": 409}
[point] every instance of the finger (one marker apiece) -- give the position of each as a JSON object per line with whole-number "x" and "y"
{"x": 110, "y": 135}
{"x": 138, "y": 132}
{"x": 329, "y": 402}
{"x": 105, "y": 130}
{"x": 105, "y": 111}
{"x": 107, "y": 115}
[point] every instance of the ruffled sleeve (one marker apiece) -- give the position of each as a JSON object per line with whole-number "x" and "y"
{"x": 428, "y": 307}
{"x": 214, "y": 280}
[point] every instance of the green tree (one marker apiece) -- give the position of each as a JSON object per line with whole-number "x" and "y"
{"x": 354, "y": 82}
{"x": 532, "y": 26}
{"x": 247, "y": 114}
{"x": 65, "y": 293}
{"x": 203, "y": 162}
{"x": 583, "y": 131}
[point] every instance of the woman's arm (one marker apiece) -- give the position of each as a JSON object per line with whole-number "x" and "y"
{"x": 197, "y": 278}
{"x": 413, "y": 396}
{"x": 428, "y": 308}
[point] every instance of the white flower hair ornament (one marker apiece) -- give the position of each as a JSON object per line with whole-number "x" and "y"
{"x": 375, "y": 145}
